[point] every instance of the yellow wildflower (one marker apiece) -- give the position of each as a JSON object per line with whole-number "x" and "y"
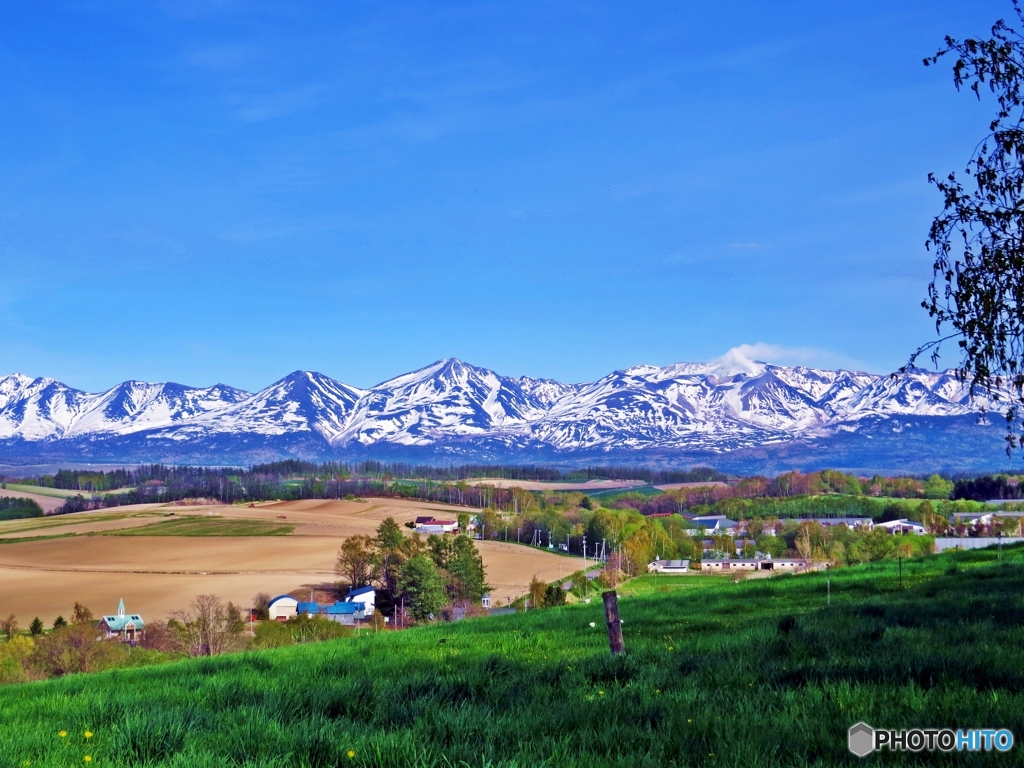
{"x": 87, "y": 758}
{"x": 63, "y": 734}
{"x": 351, "y": 754}
{"x": 88, "y": 734}
{"x": 600, "y": 693}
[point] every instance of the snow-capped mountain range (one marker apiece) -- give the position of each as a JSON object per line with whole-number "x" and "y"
{"x": 453, "y": 410}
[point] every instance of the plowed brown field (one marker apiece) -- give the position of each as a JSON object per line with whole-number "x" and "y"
{"x": 159, "y": 574}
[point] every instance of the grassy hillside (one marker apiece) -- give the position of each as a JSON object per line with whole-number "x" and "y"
{"x": 716, "y": 673}
{"x": 38, "y": 490}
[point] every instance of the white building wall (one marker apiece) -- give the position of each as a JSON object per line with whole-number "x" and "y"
{"x": 283, "y": 608}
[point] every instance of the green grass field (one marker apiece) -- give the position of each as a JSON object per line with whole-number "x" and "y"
{"x": 716, "y": 673}
{"x": 57, "y": 493}
{"x": 207, "y": 526}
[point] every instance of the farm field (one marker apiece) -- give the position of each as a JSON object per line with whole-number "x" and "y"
{"x": 158, "y": 558}
{"x": 715, "y": 673}
{"x": 49, "y": 502}
{"x": 36, "y": 490}
{"x": 540, "y": 485}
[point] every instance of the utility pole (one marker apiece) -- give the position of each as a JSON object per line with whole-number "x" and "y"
{"x": 828, "y": 584}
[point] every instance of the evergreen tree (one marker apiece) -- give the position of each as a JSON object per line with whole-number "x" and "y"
{"x": 36, "y": 627}
{"x": 468, "y": 578}
{"x": 442, "y": 550}
{"x": 59, "y": 622}
{"x": 554, "y": 596}
{"x": 422, "y": 587}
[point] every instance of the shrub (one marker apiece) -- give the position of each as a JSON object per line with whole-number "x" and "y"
{"x": 271, "y": 634}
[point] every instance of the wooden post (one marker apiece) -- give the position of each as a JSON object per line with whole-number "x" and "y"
{"x": 611, "y": 613}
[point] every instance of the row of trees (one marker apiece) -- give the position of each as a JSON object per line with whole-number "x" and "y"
{"x": 990, "y": 487}
{"x": 14, "y": 508}
{"x": 252, "y": 480}
{"x": 791, "y": 485}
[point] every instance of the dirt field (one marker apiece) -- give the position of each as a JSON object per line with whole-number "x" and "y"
{"x": 159, "y": 574}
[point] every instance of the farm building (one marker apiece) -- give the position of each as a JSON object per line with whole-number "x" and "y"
{"x": 982, "y": 518}
{"x": 282, "y": 607}
{"x": 125, "y": 627}
{"x": 714, "y": 523}
{"x": 365, "y": 596}
{"x": 782, "y": 564}
{"x": 901, "y": 526}
{"x": 853, "y": 523}
{"x": 768, "y": 528}
{"x": 343, "y": 613}
{"x": 430, "y": 525}
{"x": 668, "y": 567}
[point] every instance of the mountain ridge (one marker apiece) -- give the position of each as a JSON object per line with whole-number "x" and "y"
{"x": 451, "y": 410}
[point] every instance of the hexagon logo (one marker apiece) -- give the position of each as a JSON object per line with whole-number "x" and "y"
{"x": 861, "y": 739}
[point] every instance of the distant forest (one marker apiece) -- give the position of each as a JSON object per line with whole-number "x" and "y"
{"x": 990, "y": 488}
{"x": 293, "y": 480}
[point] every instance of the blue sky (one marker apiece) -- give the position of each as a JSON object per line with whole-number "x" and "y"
{"x": 227, "y": 191}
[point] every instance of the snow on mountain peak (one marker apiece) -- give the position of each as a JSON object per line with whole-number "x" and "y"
{"x": 730, "y": 402}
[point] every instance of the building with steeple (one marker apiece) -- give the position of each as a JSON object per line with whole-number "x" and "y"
{"x": 125, "y": 627}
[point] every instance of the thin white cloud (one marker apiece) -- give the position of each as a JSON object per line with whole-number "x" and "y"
{"x": 746, "y": 356}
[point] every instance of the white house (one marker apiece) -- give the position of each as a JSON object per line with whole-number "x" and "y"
{"x": 727, "y": 566}
{"x": 668, "y": 567}
{"x": 367, "y": 596}
{"x": 901, "y": 526}
{"x": 282, "y": 607}
{"x": 972, "y": 518}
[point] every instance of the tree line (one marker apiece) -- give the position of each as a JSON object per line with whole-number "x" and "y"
{"x": 15, "y": 508}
